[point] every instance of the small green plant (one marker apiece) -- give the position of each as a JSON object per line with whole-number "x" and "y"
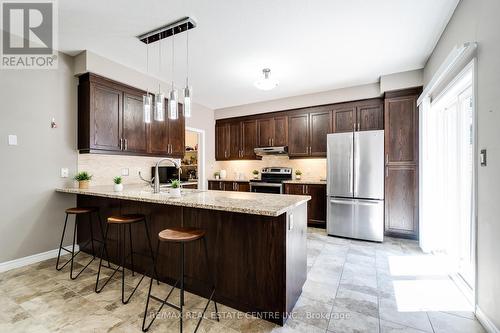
{"x": 298, "y": 172}
{"x": 117, "y": 180}
{"x": 176, "y": 183}
{"x": 255, "y": 172}
{"x": 216, "y": 174}
{"x": 83, "y": 175}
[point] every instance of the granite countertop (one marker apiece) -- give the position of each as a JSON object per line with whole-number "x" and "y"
{"x": 239, "y": 202}
{"x": 306, "y": 181}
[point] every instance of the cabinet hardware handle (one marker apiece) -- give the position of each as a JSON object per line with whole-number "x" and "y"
{"x": 272, "y": 141}
{"x": 126, "y": 144}
{"x": 386, "y": 158}
{"x": 121, "y": 143}
{"x": 386, "y": 172}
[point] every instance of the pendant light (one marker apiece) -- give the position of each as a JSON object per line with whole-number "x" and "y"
{"x": 159, "y": 114}
{"x": 266, "y": 83}
{"x": 187, "y": 89}
{"x": 173, "y": 112}
{"x": 147, "y": 99}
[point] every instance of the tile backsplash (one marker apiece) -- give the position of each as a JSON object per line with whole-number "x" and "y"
{"x": 312, "y": 168}
{"x": 104, "y": 168}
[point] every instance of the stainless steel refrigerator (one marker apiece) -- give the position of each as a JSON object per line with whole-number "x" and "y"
{"x": 355, "y": 190}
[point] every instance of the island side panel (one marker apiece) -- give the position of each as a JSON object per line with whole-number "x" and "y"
{"x": 296, "y": 254}
{"x": 247, "y": 252}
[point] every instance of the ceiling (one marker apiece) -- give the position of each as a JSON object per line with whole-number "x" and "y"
{"x": 310, "y": 46}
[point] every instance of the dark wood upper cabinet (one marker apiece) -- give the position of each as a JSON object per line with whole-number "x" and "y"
{"x": 370, "y": 116}
{"x": 280, "y": 137}
{"x": 105, "y": 115}
{"x": 265, "y": 132}
{"x": 343, "y": 117}
{"x": 110, "y": 119}
{"x": 248, "y": 139}
{"x": 221, "y": 141}
{"x": 401, "y": 135}
{"x": 234, "y": 140}
{"x": 320, "y": 126}
{"x": 401, "y": 163}
{"x": 298, "y": 135}
{"x": 135, "y": 132}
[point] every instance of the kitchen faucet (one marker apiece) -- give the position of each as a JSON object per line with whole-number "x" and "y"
{"x": 156, "y": 181}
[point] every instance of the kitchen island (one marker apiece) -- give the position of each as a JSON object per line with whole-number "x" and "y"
{"x": 256, "y": 242}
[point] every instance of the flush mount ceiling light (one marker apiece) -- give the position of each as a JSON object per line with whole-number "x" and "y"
{"x": 266, "y": 83}
{"x": 169, "y": 30}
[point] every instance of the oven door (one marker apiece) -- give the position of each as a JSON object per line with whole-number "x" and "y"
{"x": 276, "y": 188}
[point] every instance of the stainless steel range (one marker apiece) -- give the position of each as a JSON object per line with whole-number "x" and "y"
{"x": 271, "y": 180}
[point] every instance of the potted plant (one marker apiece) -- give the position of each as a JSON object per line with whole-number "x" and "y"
{"x": 216, "y": 174}
{"x": 298, "y": 174}
{"x": 175, "y": 188}
{"x": 255, "y": 174}
{"x": 83, "y": 178}
{"x": 118, "y": 187}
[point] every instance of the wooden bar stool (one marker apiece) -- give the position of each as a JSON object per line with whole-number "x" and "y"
{"x": 122, "y": 221}
{"x": 181, "y": 236}
{"x": 79, "y": 212}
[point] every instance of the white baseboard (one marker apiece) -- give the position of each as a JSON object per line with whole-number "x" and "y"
{"x": 485, "y": 321}
{"x": 25, "y": 261}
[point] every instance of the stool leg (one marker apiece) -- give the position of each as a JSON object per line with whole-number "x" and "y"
{"x": 73, "y": 250}
{"x": 131, "y": 250}
{"x": 155, "y": 272}
{"x": 97, "y": 289}
{"x": 153, "y": 269}
{"x": 103, "y": 239}
{"x": 91, "y": 234}
{"x": 182, "y": 286}
{"x": 61, "y": 243}
{"x": 211, "y": 273}
{"x": 122, "y": 252}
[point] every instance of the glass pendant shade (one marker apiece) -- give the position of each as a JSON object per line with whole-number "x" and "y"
{"x": 173, "y": 112}
{"x": 146, "y": 107}
{"x": 159, "y": 114}
{"x": 266, "y": 83}
{"x": 187, "y": 102}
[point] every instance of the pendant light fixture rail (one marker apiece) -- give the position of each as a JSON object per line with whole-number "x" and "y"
{"x": 168, "y": 30}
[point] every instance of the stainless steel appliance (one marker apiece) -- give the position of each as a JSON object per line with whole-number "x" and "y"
{"x": 355, "y": 190}
{"x": 271, "y": 180}
{"x": 281, "y": 150}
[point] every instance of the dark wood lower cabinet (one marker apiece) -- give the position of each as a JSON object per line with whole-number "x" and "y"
{"x": 316, "y": 207}
{"x": 401, "y": 202}
{"x": 229, "y": 185}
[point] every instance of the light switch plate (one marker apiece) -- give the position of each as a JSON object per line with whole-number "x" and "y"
{"x": 125, "y": 172}
{"x": 64, "y": 173}
{"x": 12, "y": 140}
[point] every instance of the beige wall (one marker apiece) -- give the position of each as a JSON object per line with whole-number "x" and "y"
{"x": 32, "y": 213}
{"x": 202, "y": 117}
{"x": 327, "y": 97}
{"x": 401, "y": 80}
{"x": 477, "y": 20}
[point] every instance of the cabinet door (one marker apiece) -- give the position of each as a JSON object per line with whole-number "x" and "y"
{"x": 248, "y": 139}
{"x": 135, "y": 134}
{"x": 296, "y": 189}
{"x": 216, "y": 185}
{"x": 343, "y": 118}
{"x": 265, "y": 132}
{"x": 401, "y": 201}
{"x": 243, "y": 186}
{"x": 370, "y": 117}
{"x": 176, "y": 134}
{"x": 280, "y": 131}
{"x": 105, "y": 118}
{"x": 320, "y": 126}
{"x": 401, "y": 133}
{"x": 316, "y": 207}
{"x": 158, "y": 137}
{"x": 221, "y": 140}
{"x": 298, "y": 135}
{"x": 234, "y": 149}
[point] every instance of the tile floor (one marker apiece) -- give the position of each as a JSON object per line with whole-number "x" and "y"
{"x": 352, "y": 286}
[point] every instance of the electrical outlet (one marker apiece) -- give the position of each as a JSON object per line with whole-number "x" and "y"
{"x": 125, "y": 172}
{"x": 64, "y": 172}
{"x": 12, "y": 140}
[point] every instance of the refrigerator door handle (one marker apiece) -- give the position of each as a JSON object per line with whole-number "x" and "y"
{"x": 343, "y": 202}
{"x": 368, "y": 202}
